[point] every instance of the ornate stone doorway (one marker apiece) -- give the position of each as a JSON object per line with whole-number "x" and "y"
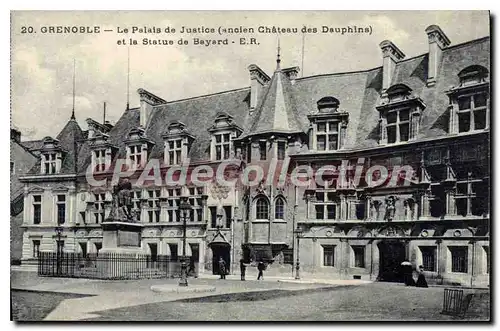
{"x": 392, "y": 254}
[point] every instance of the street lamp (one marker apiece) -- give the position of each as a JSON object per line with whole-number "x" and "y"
{"x": 298, "y": 232}
{"x": 59, "y": 230}
{"x": 185, "y": 210}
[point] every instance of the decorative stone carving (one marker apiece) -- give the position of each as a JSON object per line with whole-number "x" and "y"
{"x": 95, "y": 233}
{"x": 390, "y": 208}
{"x": 81, "y": 233}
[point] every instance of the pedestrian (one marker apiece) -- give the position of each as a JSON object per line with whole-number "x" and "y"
{"x": 222, "y": 268}
{"x": 407, "y": 270}
{"x": 261, "y": 267}
{"x": 242, "y": 269}
{"x": 421, "y": 282}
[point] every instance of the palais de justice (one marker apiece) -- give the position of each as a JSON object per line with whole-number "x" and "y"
{"x": 431, "y": 112}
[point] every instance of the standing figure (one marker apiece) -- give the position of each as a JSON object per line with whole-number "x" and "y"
{"x": 242, "y": 269}
{"x": 261, "y": 267}
{"x": 421, "y": 282}
{"x": 222, "y": 268}
{"x": 407, "y": 271}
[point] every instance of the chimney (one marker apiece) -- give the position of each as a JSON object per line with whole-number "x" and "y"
{"x": 391, "y": 55}
{"x": 437, "y": 42}
{"x": 258, "y": 78}
{"x": 15, "y": 135}
{"x": 148, "y": 101}
{"x": 291, "y": 73}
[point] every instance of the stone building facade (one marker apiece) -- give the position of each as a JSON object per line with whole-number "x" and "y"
{"x": 408, "y": 143}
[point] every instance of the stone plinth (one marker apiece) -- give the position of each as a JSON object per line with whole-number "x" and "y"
{"x": 121, "y": 237}
{"x": 121, "y": 255}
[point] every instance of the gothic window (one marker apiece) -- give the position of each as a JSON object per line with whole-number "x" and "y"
{"x": 279, "y": 209}
{"x": 262, "y": 209}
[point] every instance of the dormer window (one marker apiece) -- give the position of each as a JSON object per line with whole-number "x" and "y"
{"x": 328, "y": 125}
{"x": 177, "y": 143}
{"x": 51, "y": 156}
{"x": 102, "y": 152}
{"x": 138, "y": 147}
{"x": 100, "y": 160}
{"x": 398, "y": 125}
{"x": 175, "y": 151}
{"x": 400, "y": 115}
{"x": 135, "y": 156}
{"x": 223, "y": 131}
{"x": 327, "y": 136}
{"x": 222, "y": 146}
{"x": 469, "y": 102}
{"x": 49, "y": 163}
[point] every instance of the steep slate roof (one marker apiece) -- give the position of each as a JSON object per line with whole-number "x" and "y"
{"x": 32, "y": 144}
{"x": 198, "y": 114}
{"x": 277, "y": 110}
{"x": 358, "y": 93}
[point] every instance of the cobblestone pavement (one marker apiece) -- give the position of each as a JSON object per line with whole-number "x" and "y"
{"x": 370, "y": 302}
{"x": 235, "y": 300}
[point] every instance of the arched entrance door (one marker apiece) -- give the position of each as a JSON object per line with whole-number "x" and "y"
{"x": 220, "y": 250}
{"x": 392, "y": 254}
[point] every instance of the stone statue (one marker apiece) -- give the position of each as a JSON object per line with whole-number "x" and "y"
{"x": 390, "y": 208}
{"x": 121, "y": 209}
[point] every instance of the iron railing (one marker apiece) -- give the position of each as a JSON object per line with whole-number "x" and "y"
{"x": 110, "y": 266}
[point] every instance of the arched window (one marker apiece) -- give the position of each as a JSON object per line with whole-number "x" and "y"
{"x": 262, "y": 209}
{"x": 279, "y": 209}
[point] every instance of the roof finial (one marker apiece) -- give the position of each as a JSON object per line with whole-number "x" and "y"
{"x": 74, "y": 74}
{"x": 278, "y": 60}
{"x": 128, "y": 78}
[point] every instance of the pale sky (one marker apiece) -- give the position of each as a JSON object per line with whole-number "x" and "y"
{"x": 42, "y": 64}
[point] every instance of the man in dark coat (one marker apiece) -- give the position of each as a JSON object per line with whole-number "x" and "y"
{"x": 261, "y": 267}
{"x": 242, "y": 269}
{"x": 222, "y": 268}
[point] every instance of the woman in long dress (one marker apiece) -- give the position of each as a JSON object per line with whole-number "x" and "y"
{"x": 421, "y": 282}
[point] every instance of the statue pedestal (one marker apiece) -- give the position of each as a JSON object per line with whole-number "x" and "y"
{"x": 121, "y": 237}
{"x": 121, "y": 252}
